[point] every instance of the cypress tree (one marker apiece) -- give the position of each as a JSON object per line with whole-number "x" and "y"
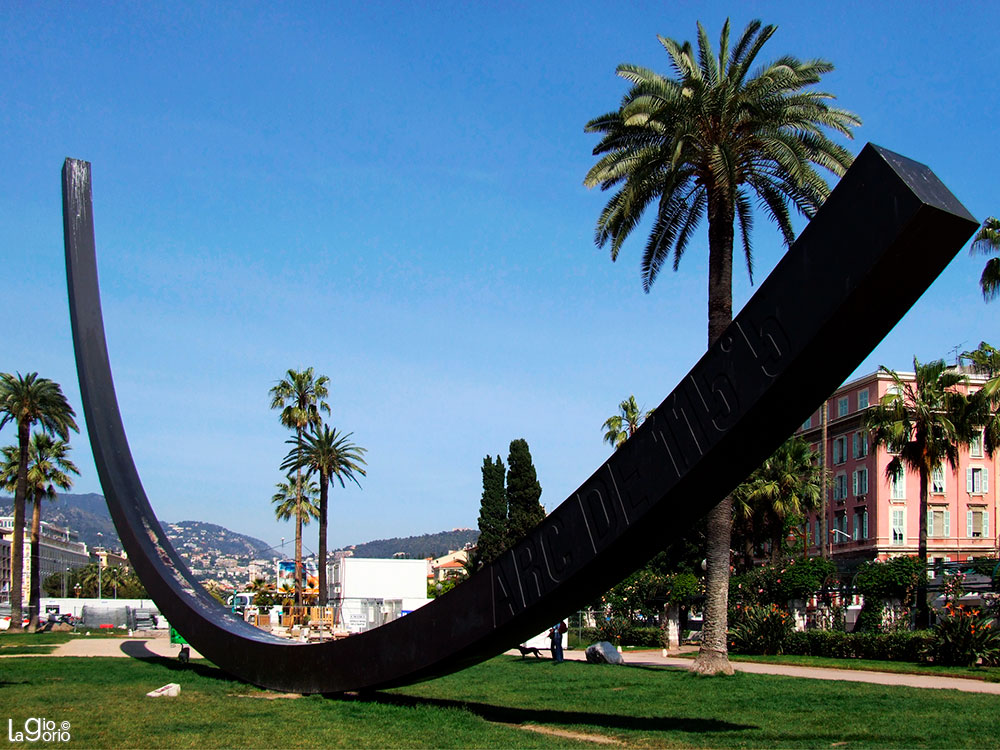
{"x": 524, "y": 510}
{"x": 492, "y": 513}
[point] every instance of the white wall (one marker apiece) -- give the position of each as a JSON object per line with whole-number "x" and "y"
{"x": 367, "y": 578}
{"x": 73, "y": 606}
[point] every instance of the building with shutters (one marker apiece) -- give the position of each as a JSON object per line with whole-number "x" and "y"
{"x": 870, "y": 515}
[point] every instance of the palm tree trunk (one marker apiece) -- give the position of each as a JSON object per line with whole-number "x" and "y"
{"x": 298, "y": 523}
{"x": 713, "y": 656}
{"x": 324, "y": 486}
{"x": 17, "y": 536}
{"x": 34, "y": 578}
{"x": 923, "y": 613}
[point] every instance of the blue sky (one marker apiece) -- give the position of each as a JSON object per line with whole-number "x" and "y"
{"x": 392, "y": 193}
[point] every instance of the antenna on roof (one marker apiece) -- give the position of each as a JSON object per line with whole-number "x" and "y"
{"x": 954, "y": 350}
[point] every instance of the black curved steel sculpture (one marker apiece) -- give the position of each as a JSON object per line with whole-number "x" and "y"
{"x": 885, "y": 233}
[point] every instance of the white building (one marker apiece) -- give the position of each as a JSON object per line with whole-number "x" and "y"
{"x": 369, "y": 592}
{"x": 60, "y": 550}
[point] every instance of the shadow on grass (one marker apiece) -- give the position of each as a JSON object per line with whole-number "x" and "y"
{"x": 138, "y": 650}
{"x": 511, "y": 715}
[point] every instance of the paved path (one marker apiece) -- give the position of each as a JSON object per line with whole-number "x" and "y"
{"x": 135, "y": 647}
{"x": 655, "y": 658}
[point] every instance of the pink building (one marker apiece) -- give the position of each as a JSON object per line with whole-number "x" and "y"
{"x": 870, "y": 515}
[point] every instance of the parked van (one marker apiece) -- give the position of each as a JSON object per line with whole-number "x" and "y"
{"x": 242, "y": 599}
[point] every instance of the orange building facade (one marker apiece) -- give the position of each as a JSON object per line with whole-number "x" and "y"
{"x": 873, "y": 516}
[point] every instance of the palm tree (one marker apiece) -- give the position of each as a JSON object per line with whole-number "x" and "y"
{"x": 705, "y": 143}
{"x": 48, "y": 468}
{"x": 985, "y": 360}
{"x": 986, "y": 401}
{"x": 780, "y": 492}
{"x": 923, "y": 423}
{"x": 621, "y": 426}
{"x": 331, "y": 455}
{"x": 28, "y": 400}
{"x": 987, "y": 242}
{"x": 300, "y": 397}
{"x": 296, "y": 498}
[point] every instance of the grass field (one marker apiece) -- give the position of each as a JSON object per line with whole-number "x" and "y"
{"x": 505, "y": 702}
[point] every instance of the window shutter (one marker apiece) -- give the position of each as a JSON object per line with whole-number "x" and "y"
{"x": 947, "y": 522}
{"x": 986, "y": 522}
{"x": 930, "y": 522}
{"x": 864, "y": 527}
{"x": 986, "y": 481}
{"x": 968, "y": 516}
{"x": 968, "y": 481}
{"x": 855, "y": 477}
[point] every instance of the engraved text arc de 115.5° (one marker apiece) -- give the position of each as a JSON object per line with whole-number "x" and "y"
{"x": 695, "y": 415}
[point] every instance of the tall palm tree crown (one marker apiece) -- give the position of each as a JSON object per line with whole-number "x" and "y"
{"x": 49, "y": 468}
{"x": 28, "y": 400}
{"x": 621, "y": 426}
{"x": 705, "y": 143}
{"x": 292, "y": 498}
{"x": 300, "y": 396}
{"x": 330, "y": 455}
{"x": 923, "y": 423}
{"x": 987, "y": 242}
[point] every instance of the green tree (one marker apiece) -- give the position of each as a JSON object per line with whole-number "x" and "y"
{"x": 777, "y": 495}
{"x": 329, "y": 455}
{"x": 122, "y": 578}
{"x": 300, "y": 396}
{"x": 49, "y": 468}
{"x": 986, "y": 402}
{"x": 621, "y": 426}
{"x": 25, "y": 401}
{"x": 987, "y": 242}
{"x": 922, "y": 422}
{"x": 985, "y": 359}
{"x": 492, "y": 513}
{"x": 705, "y": 143}
{"x": 524, "y": 511}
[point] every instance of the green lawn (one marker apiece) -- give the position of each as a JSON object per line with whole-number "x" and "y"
{"x": 502, "y": 703}
{"x": 30, "y": 643}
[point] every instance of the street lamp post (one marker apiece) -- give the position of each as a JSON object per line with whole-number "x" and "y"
{"x": 65, "y": 579}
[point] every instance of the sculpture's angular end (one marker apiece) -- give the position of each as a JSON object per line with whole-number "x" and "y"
{"x": 923, "y": 182}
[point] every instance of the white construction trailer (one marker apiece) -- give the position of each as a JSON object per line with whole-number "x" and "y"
{"x": 369, "y": 592}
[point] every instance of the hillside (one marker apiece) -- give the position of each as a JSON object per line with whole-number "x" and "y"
{"x": 198, "y": 536}
{"x": 418, "y": 547}
{"x": 88, "y": 516}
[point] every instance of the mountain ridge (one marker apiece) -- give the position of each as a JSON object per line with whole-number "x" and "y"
{"x": 87, "y": 515}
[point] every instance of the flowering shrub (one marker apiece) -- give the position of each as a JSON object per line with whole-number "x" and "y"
{"x": 760, "y": 630}
{"x": 778, "y": 584}
{"x": 963, "y": 636}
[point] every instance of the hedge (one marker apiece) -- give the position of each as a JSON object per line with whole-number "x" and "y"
{"x": 902, "y": 646}
{"x": 627, "y": 635}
